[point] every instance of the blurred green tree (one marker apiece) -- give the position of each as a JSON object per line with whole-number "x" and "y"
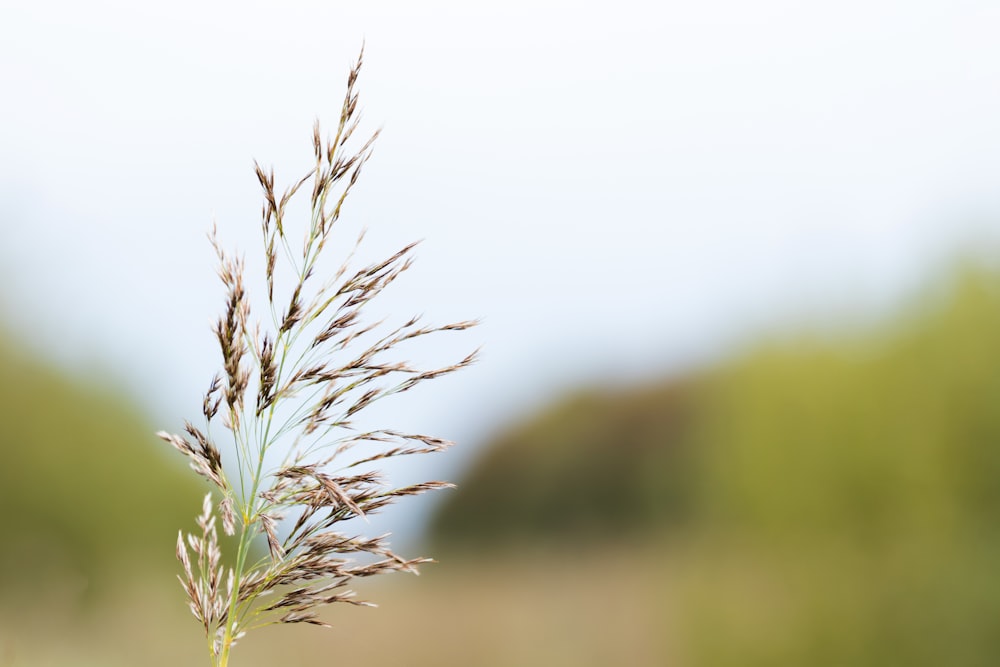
{"x": 838, "y": 495}
{"x": 87, "y": 490}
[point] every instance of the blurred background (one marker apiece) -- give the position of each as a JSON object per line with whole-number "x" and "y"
{"x": 736, "y": 261}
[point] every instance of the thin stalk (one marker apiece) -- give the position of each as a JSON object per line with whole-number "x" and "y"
{"x": 311, "y": 564}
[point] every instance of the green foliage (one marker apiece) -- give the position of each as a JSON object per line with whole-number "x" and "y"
{"x": 893, "y": 430}
{"x": 867, "y": 439}
{"x": 597, "y": 463}
{"x": 840, "y": 497}
{"x": 85, "y": 486}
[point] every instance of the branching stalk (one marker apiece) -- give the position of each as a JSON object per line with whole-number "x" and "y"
{"x": 298, "y": 359}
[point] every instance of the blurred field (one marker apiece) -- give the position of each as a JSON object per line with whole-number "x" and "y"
{"x": 819, "y": 500}
{"x": 594, "y": 609}
{"x": 707, "y": 604}
{"x": 833, "y": 497}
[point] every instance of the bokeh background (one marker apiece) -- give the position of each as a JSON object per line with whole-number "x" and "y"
{"x": 736, "y": 264}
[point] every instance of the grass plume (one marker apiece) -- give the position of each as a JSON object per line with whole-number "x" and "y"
{"x": 292, "y": 387}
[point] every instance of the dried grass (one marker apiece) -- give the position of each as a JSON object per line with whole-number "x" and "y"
{"x": 286, "y": 386}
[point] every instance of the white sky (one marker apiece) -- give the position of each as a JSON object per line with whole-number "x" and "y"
{"x": 617, "y": 188}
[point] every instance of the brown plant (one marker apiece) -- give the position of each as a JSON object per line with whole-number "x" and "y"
{"x": 286, "y": 388}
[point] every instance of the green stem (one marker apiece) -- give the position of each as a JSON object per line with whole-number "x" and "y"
{"x": 249, "y": 509}
{"x": 241, "y": 556}
{"x": 249, "y": 516}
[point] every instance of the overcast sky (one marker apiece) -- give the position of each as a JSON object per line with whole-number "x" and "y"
{"x": 616, "y": 188}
